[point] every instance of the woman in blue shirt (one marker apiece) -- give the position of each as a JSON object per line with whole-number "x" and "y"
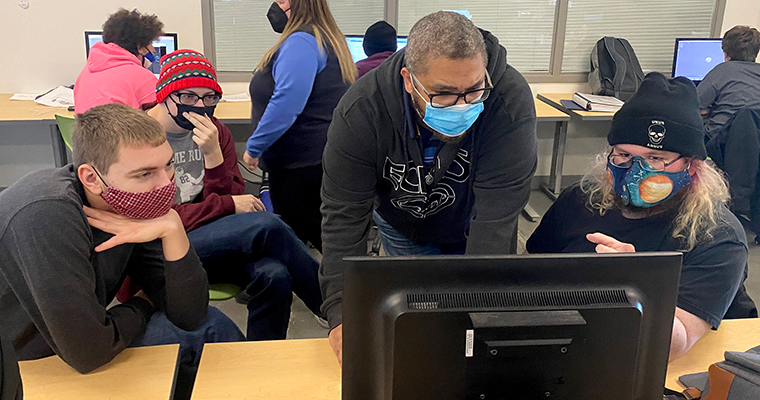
{"x": 294, "y": 91}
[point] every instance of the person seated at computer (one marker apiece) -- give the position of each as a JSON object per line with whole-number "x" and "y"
{"x": 116, "y": 67}
{"x": 439, "y": 147}
{"x": 733, "y": 84}
{"x": 68, "y": 237}
{"x": 236, "y": 244}
{"x": 379, "y": 43}
{"x": 294, "y": 91}
{"x": 654, "y": 191}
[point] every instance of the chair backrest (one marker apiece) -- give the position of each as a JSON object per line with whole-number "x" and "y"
{"x": 66, "y": 127}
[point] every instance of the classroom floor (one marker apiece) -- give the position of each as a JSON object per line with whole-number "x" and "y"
{"x": 303, "y": 325}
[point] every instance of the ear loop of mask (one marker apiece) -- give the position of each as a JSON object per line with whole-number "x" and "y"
{"x": 101, "y": 178}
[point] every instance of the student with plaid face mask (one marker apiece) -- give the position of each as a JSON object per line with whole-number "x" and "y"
{"x": 69, "y": 236}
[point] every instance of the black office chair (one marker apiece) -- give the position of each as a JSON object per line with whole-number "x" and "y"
{"x": 10, "y": 380}
{"x": 736, "y": 150}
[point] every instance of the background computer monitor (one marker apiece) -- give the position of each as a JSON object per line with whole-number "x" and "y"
{"x": 355, "y": 45}
{"x": 694, "y": 58}
{"x": 567, "y": 326}
{"x": 163, "y": 45}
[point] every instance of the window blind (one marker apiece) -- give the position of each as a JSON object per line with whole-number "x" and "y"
{"x": 651, "y": 26}
{"x": 523, "y": 27}
{"x": 242, "y": 33}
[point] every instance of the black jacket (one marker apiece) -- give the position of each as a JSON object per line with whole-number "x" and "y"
{"x": 10, "y": 380}
{"x": 373, "y": 160}
{"x": 736, "y": 150}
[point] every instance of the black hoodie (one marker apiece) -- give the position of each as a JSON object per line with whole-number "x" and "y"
{"x": 373, "y": 160}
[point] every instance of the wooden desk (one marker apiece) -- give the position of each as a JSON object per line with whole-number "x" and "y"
{"x": 560, "y": 136}
{"x": 15, "y": 112}
{"x": 19, "y": 110}
{"x": 553, "y": 99}
{"x": 733, "y": 335}
{"x": 307, "y": 369}
{"x": 285, "y": 369}
{"x": 135, "y": 374}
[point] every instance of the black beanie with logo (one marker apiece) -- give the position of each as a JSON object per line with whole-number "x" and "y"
{"x": 662, "y": 115}
{"x": 380, "y": 37}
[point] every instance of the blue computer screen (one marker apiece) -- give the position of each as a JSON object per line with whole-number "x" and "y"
{"x": 357, "y": 51}
{"x": 162, "y": 46}
{"x": 695, "y": 58}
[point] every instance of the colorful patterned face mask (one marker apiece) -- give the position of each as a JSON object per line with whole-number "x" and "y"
{"x": 145, "y": 205}
{"x": 643, "y": 188}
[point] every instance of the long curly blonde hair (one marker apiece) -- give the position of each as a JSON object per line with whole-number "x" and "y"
{"x": 698, "y": 214}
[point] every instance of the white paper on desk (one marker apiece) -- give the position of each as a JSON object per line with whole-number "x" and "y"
{"x": 24, "y": 96}
{"x": 58, "y": 97}
{"x": 236, "y": 97}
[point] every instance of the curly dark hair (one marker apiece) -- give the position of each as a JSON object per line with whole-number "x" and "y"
{"x": 132, "y": 30}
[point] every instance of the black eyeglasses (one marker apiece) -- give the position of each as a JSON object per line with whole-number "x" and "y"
{"x": 191, "y": 99}
{"x": 651, "y": 163}
{"x": 443, "y": 100}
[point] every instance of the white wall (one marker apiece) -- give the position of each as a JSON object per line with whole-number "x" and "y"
{"x": 47, "y": 46}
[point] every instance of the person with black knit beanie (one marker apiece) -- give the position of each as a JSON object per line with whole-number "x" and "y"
{"x": 379, "y": 43}
{"x": 654, "y": 191}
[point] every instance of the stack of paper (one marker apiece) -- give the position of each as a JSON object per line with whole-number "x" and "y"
{"x": 61, "y": 96}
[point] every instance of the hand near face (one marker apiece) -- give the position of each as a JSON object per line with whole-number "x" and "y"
{"x": 126, "y": 230}
{"x": 206, "y": 136}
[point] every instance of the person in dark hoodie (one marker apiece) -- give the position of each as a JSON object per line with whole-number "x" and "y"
{"x": 438, "y": 145}
{"x": 115, "y": 71}
{"x": 237, "y": 241}
{"x": 379, "y": 44}
{"x": 69, "y": 236}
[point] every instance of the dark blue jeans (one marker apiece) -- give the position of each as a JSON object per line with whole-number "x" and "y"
{"x": 395, "y": 244}
{"x": 261, "y": 253}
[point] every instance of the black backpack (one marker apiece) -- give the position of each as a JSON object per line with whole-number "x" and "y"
{"x": 615, "y": 70}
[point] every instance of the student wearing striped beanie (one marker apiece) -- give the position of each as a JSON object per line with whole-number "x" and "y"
{"x": 235, "y": 238}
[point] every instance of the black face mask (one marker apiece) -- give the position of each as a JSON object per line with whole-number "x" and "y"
{"x": 277, "y": 18}
{"x": 185, "y": 123}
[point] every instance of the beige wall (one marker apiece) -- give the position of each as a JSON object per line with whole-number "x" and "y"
{"x": 47, "y": 46}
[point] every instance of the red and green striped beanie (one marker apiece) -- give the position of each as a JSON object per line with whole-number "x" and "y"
{"x": 185, "y": 69}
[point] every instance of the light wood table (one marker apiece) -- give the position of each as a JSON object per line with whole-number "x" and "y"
{"x": 20, "y": 110}
{"x": 15, "y": 112}
{"x": 141, "y": 373}
{"x": 278, "y": 370}
{"x": 733, "y": 335}
{"x": 307, "y": 369}
{"x": 560, "y": 136}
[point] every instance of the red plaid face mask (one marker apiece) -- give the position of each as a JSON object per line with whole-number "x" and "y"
{"x": 145, "y": 205}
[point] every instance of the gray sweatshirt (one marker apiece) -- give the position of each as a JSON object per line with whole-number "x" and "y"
{"x": 54, "y": 288}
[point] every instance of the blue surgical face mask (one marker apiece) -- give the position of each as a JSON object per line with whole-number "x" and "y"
{"x": 451, "y": 121}
{"x": 642, "y": 188}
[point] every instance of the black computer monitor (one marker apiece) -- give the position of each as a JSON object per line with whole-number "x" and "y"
{"x": 566, "y": 326}
{"x": 164, "y": 45}
{"x": 356, "y": 45}
{"x": 694, "y": 58}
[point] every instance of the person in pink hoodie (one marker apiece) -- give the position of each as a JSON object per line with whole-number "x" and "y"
{"x": 114, "y": 72}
